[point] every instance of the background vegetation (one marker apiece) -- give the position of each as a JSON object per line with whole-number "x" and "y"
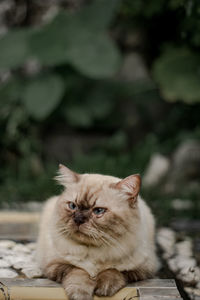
{"x": 99, "y": 86}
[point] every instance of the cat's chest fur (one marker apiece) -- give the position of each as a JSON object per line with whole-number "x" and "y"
{"x": 95, "y": 260}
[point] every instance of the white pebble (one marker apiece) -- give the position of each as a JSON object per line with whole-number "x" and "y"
{"x": 4, "y": 263}
{"x": 20, "y": 248}
{"x": 172, "y": 264}
{"x": 32, "y": 272}
{"x": 22, "y": 262}
{"x": 5, "y": 252}
{"x": 7, "y": 244}
{"x": 190, "y": 275}
{"x": 185, "y": 262}
{"x": 31, "y": 246}
{"x": 8, "y": 273}
{"x": 166, "y": 239}
{"x": 184, "y": 248}
{"x": 192, "y": 291}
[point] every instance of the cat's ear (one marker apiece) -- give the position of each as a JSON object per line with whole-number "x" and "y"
{"x": 130, "y": 185}
{"x": 66, "y": 176}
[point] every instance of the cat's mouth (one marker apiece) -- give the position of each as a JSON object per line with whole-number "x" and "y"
{"x": 83, "y": 236}
{"x": 81, "y": 230}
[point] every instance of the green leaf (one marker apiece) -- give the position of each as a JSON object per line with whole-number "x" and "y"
{"x": 14, "y": 49}
{"x": 94, "y": 56}
{"x": 79, "y": 115}
{"x": 11, "y": 90}
{"x": 177, "y": 73}
{"x": 76, "y": 40}
{"x": 99, "y": 13}
{"x": 100, "y": 101}
{"x": 42, "y": 95}
{"x": 49, "y": 44}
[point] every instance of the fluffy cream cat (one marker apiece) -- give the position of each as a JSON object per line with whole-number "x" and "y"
{"x": 97, "y": 236}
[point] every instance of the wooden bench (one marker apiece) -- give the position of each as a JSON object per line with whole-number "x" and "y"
{"x": 44, "y": 289}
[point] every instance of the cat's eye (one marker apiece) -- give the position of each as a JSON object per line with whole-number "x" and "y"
{"x": 99, "y": 211}
{"x": 71, "y": 205}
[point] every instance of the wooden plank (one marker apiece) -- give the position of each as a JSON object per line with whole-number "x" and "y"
{"x": 157, "y": 289}
{"x": 19, "y": 226}
{"x": 155, "y": 283}
{"x": 161, "y": 292}
{"x": 150, "y": 283}
{"x": 43, "y": 289}
{"x": 41, "y": 282}
{"x": 159, "y": 298}
{"x": 18, "y": 232}
{"x": 18, "y": 217}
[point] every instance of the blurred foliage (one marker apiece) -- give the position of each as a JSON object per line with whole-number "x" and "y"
{"x": 177, "y": 71}
{"x": 78, "y": 39}
{"x": 75, "y": 89}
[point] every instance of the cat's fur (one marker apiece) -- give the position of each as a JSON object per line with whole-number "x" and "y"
{"x": 96, "y": 254}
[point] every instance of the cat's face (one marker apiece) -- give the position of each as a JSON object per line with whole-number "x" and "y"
{"x": 96, "y": 209}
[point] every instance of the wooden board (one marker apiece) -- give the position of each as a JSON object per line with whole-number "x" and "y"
{"x": 19, "y": 226}
{"x": 44, "y": 289}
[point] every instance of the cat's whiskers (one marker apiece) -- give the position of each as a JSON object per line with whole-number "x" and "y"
{"x": 62, "y": 230}
{"x": 95, "y": 231}
{"x": 103, "y": 236}
{"x": 111, "y": 241}
{"x": 96, "y": 234}
{"x": 94, "y": 238}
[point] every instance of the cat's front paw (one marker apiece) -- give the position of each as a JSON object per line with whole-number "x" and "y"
{"x": 78, "y": 285}
{"x": 79, "y": 295}
{"x": 109, "y": 282}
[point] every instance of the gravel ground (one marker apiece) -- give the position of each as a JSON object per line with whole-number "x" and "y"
{"x": 178, "y": 253}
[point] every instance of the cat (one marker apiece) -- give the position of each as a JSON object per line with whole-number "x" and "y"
{"x": 97, "y": 236}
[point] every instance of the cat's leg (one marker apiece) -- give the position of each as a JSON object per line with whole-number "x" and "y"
{"x": 109, "y": 282}
{"x": 137, "y": 274}
{"x": 78, "y": 285}
{"x": 76, "y": 282}
{"x": 57, "y": 270}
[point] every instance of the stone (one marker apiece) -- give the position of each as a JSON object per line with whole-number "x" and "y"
{"x": 22, "y": 262}
{"x": 4, "y": 263}
{"x": 7, "y": 244}
{"x": 156, "y": 170}
{"x": 166, "y": 239}
{"x": 7, "y": 272}
{"x": 31, "y": 246}
{"x": 32, "y": 271}
{"x": 15, "y": 258}
{"x": 20, "y": 248}
{"x": 5, "y": 252}
{"x": 172, "y": 264}
{"x": 192, "y": 292}
{"x": 11, "y": 259}
{"x": 184, "y": 262}
{"x": 198, "y": 285}
{"x": 182, "y": 265}
{"x": 190, "y": 275}
{"x": 184, "y": 248}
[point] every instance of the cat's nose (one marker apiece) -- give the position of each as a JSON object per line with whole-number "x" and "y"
{"x": 79, "y": 219}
